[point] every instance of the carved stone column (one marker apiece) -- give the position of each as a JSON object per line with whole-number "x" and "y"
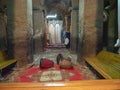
{"x": 92, "y": 33}
{"x": 73, "y": 30}
{"x": 67, "y": 24}
{"x": 38, "y": 25}
{"x": 23, "y": 31}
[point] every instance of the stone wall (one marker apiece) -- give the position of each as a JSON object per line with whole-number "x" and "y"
{"x": 112, "y": 33}
{"x": 3, "y": 25}
{"x": 10, "y": 28}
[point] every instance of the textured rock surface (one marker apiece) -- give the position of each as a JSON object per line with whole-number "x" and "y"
{"x": 38, "y": 25}
{"x": 74, "y": 30}
{"x": 22, "y": 31}
{"x": 91, "y": 27}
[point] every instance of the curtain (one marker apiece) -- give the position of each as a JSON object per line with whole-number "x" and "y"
{"x": 54, "y": 30}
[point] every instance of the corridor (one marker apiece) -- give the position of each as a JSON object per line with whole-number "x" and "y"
{"x": 86, "y": 31}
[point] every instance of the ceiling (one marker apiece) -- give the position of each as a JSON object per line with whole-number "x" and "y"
{"x": 59, "y": 7}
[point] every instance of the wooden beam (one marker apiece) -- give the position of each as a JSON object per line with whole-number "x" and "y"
{"x": 71, "y": 85}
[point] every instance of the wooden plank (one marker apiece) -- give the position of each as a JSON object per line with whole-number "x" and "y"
{"x": 110, "y": 62}
{"x": 97, "y": 66}
{"x": 106, "y": 63}
{"x": 108, "y": 56}
{"x": 71, "y": 85}
{"x": 6, "y": 63}
{"x": 2, "y": 55}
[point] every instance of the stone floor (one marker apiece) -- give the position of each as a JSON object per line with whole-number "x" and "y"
{"x": 52, "y": 54}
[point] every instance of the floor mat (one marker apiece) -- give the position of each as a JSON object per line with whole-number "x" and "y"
{"x": 36, "y": 74}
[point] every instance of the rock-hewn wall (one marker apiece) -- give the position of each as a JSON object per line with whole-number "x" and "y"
{"x": 3, "y": 25}
{"x": 10, "y": 28}
{"x": 112, "y": 34}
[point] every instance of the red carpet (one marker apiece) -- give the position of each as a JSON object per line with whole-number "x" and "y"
{"x": 36, "y": 74}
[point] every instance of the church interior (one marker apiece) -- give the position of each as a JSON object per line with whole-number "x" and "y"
{"x": 53, "y": 44}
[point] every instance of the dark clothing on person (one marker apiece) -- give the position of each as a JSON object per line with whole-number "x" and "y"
{"x": 67, "y": 35}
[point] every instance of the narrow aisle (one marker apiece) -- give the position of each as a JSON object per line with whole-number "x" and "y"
{"x": 52, "y": 54}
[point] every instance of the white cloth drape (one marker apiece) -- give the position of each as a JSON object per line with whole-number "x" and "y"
{"x": 54, "y": 29}
{"x": 51, "y": 32}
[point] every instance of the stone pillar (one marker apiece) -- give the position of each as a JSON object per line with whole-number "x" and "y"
{"x": 81, "y": 28}
{"x": 73, "y": 30}
{"x": 22, "y": 31}
{"x": 74, "y": 25}
{"x": 75, "y": 4}
{"x": 45, "y": 32}
{"x": 92, "y": 25}
{"x": 30, "y": 27}
{"x": 67, "y": 24}
{"x": 38, "y": 24}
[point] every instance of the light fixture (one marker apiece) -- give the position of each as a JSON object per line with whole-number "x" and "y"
{"x": 51, "y": 16}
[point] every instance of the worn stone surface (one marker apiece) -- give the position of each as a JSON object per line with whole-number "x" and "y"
{"x": 99, "y": 25}
{"x": 80, "y": 28}
{"x": 3, "y": 25}
{"x": 10, "y": 27}
{"x": 22, "y": 32}
{"x": 73, "y": 30}
{"x": 89, "y": 41}
{"x": 37, "y": 4}
{"x": 112, "y": 34}
{"x": 38, "y": 22}
{"x": 91, "y": 27}
{"x": 75, "y": 4}
{"x": 38, "y": 25}
{"x": 3, "y": 39}
{"x": 52, "y": 54}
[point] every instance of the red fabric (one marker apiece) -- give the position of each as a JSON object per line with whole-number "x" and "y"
{"x": 46, "y": 63}
{"x": 31, "y": 71}
{"x": 77, "y": 76}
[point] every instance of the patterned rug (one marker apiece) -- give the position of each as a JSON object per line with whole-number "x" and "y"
{"x": 36, "y": 74}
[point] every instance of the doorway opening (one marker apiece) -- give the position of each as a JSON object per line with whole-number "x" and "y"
{"x": 54, "y": 33}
